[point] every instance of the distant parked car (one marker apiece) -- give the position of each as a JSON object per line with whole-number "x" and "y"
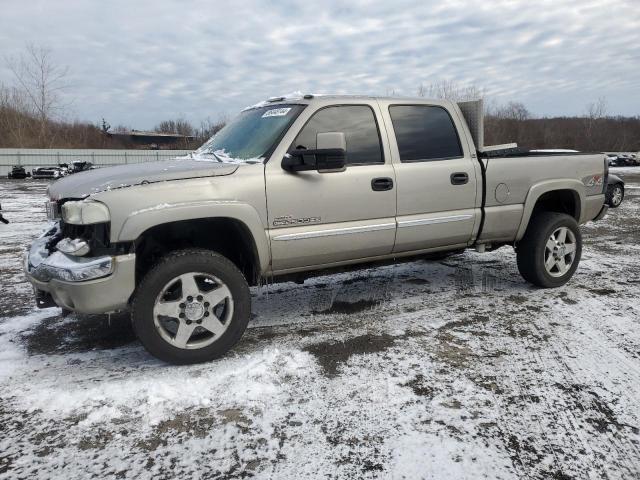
{"x": 612, "y": 158}
{"x": 80, "y": 166}
{"x": 615, "y": 191}
{"x": 76, "y": 166}
{"x": 626, "y": 160}
{"x": 47, "y": 172}
{"x": 18, "y": 172}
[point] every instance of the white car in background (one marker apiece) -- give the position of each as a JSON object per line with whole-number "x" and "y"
{"x": 47, "y": 173}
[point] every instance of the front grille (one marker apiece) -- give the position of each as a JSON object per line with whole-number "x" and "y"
{"x": 53, "y": 210}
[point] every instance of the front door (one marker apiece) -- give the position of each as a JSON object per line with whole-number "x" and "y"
{"x": 436, "y": 175}
{"x": 321, "y": 218}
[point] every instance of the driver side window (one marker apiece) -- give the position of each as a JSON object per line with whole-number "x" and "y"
{"x": 359, "y": 126}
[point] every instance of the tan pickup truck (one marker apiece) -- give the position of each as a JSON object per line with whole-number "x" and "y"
{"x": 294, "y": 186}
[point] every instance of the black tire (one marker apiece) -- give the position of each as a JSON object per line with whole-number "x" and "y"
{"x": 609, "y": 196}
{"x": 531, "y": 249}
{"x": 168, "y": 268}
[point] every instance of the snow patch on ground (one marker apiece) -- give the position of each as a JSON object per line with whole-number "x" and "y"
{"x": 252, "y": 378}
{"x": 12, "y": 353}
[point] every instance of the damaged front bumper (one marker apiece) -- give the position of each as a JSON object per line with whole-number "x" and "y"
{"x": 81, "y": 284}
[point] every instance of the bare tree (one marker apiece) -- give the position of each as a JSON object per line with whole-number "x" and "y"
{"x": 510, "y": 111}
{"x": 597, "y": 109}
{"x": 121, "y": 129}
{"x": 179, "y": 126}
{"x": 507, "y": 123}
{"x": 596, "y": 112}
{"x": 40, "y": 81}
{"x": 14, "y": 125}
{"x": 451, "y": 90}
{"x": 208, "y": 128}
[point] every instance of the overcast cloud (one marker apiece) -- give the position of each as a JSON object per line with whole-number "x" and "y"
{"x": 138, "y": 62}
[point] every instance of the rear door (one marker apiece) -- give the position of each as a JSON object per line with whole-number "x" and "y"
{"x": 437, "y": 177}
{"x": 321, "y": 218}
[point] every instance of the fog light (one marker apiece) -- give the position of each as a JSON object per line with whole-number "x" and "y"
{"x": 77, "y": 247}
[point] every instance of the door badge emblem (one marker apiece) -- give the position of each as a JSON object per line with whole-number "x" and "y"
{"x": 289, "y": 220}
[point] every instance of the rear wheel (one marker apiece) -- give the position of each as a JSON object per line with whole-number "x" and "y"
{"x": 193, "y": 306}
{"x": 615, "y": 195}
{"x": 549, "y": 253}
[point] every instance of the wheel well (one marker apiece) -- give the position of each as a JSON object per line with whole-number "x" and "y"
{"x": 561, "y": 201}
{"x": 227, "y": 236}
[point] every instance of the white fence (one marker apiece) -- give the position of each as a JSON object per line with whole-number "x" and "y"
{"x": 34, "y": 157}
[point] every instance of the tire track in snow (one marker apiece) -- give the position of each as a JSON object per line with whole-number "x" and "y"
{"x": 570, "y": 376}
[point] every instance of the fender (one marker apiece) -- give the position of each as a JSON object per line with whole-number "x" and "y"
{"x": 539, "y": 189}
{"x": 141, "y": 220}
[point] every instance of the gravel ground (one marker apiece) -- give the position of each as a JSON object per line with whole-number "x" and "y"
{"x": 442, "y": 369}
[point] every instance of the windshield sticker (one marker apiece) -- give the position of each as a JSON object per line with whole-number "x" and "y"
{"x": 276, "y": 112}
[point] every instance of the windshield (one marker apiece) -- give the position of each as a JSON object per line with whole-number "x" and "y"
{"x": 251, "y": 136}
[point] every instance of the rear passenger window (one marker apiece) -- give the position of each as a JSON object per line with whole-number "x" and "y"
{"x": 358, "y": 125}
{"x": 424, "y": 132}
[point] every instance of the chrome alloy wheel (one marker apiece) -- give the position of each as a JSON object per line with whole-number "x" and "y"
{"x": 193, "y": 310}
{"x": 560, "y": 252}
{"x": 616, "y": 198}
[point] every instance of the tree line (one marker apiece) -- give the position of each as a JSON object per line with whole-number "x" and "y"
{"x": 594, "y": 131}
{"x": 32, "y": 116}
{"x": 512, "y": 122}
{"x": 32, "y": 112}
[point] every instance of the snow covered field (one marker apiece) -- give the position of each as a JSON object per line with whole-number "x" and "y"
{"x": 447, "y": 369}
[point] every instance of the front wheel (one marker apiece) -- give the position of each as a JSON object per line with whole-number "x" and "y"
{"x": 193, "y": 306}
{"x": 549, "y": 253}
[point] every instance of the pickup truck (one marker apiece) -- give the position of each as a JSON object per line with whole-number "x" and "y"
{"x": 294, "y": 186}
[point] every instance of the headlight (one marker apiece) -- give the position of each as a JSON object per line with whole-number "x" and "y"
{"x": 85, "y": 212}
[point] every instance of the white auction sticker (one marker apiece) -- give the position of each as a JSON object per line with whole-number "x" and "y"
{"x": 276, "y": 112}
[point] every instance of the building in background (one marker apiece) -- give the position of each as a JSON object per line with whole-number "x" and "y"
{"x": 153, "y": 140}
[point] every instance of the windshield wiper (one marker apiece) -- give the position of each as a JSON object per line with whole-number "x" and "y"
{"x": 201, "y": 154}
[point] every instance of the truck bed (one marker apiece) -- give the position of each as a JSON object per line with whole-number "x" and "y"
{"x": 510, "y": 177}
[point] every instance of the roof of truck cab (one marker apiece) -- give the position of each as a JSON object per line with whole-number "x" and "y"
{"x": 306, "y": 99}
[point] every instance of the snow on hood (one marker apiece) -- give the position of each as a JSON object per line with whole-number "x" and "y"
{"x": 83, "y": 184}
{"x": 203, "y": 155}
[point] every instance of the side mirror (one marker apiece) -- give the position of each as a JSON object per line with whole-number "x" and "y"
{"x": 330, "y": 155}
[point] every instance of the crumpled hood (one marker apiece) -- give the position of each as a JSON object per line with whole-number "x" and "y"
{"x": 83, "y": 184}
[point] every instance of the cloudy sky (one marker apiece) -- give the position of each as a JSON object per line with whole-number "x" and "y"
{"x": 136, "y": 62}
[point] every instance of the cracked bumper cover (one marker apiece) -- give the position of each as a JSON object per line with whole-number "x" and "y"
{"x": 84, "y": 285}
